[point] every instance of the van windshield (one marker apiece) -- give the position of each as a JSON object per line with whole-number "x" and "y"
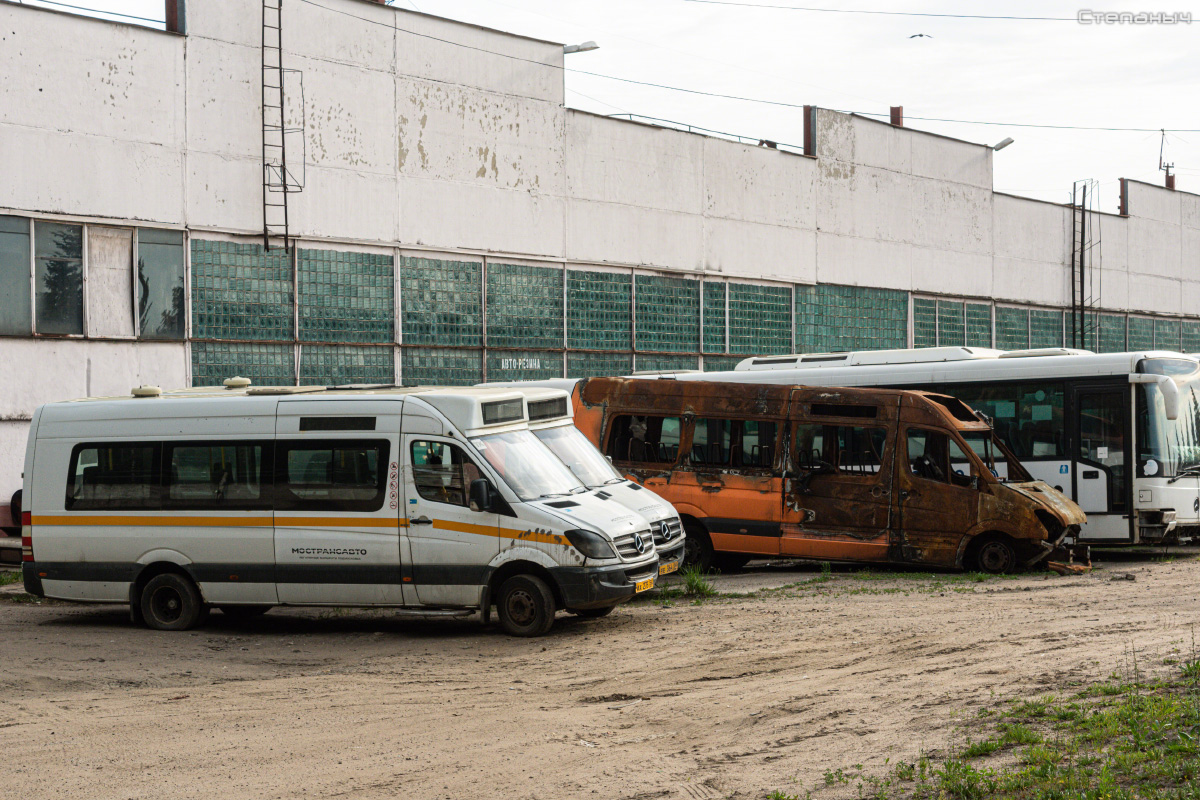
{"x": 530, "y": 469}
{"x": 581, "y": 457}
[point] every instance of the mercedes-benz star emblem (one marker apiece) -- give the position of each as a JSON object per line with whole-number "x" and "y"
{"x": 666, "y": 531}
{"x": 639, "y": 543}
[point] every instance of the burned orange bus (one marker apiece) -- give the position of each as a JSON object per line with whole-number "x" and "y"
{"x": 830, "y": 474}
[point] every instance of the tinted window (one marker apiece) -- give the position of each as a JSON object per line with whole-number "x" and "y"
{"x": 331, "y": 476}
{"x": 733, "y": 443}
{"x": 1027, "y": 417}
{"x": 15, "y": 317}
{"x": 442, "y": 472}
{"x": 113, "y": 476}
{"x": 847, "y": 449}
{"x": 710, "y": 441}
{"x": 226, "y": 475}
{"x": 160, "y": 283}
{"x": 644, "y": 439}
{"x": 59, "y": 271}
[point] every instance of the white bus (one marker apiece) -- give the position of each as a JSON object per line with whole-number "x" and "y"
{"x": 1119, "y": 433}
{"x": 439, "y": 500}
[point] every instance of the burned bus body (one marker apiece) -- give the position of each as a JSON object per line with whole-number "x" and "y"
{"x": 831, "y": 474}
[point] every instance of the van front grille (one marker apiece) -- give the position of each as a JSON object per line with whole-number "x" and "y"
{"x": 668, "y": 531}
{"x": 627, "y": 545}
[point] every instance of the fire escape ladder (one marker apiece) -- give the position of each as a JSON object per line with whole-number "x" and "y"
{"x": 276, "y": 180}
{"x": 1084, "y": 322}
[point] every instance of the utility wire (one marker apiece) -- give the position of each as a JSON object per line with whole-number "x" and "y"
{"x": 98, "y": 11}
{"x": 741, "y": 98}
{"x": 882, "y": 13}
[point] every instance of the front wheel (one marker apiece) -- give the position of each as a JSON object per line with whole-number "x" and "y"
{"x": 171, "y": 602}
{"x": 526, "y": 606}
{"x": 592, "y": 613}
{"x": 996, "y": 557}
{"x": 697, "y": 547}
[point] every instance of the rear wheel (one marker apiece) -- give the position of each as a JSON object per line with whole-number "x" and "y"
{"x": 592, "y": 613}
{"x": 526, "y": 606}
{"x": 697, "y": 547}
{"x": 171, "y": 602}
{"x": 243, "y": 612}
{"x": 996, "y": 557}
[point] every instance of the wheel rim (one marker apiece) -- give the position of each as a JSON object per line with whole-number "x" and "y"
{"x": 167, "y": 604}
{"x": 995, "y": 557}
{"x": 521, "y": 607}
{"x": 691, "y": 551}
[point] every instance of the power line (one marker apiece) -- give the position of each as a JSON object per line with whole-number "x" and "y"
{"x": 881, "y": 13}
{"x": 741, "y": 98}
{"x": 98, "y": 11}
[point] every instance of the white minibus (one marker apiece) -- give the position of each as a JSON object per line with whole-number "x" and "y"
{"x": 551, "y": 418}
{"x": 436, "y": 500}
{"x": 1118, "y": 433}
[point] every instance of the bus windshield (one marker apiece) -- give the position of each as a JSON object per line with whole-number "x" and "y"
{"x": 1169, "y": 447}
{"x": 527, "y": 466}
{"x": 574, "y": 450}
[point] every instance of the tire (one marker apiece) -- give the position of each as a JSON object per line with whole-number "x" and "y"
{"x": 525, "y": 606}
{"x": 996, "y": 557}
{"x": 243, "y": 612}
{"x": 15, "y": 510}
{"x": 730, "y": 562}
{"x": 171, "y": 602}
{"x": 592, "y": 613}
{"x": 697, "y": 547}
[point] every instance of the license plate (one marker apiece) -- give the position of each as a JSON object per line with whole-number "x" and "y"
{"x": 667, "y": 569}
{"x": 642, "y": 586}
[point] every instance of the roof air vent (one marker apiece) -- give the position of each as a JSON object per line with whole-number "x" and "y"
{"x": 146, "y": 391}
{"x": 236, "y": 382}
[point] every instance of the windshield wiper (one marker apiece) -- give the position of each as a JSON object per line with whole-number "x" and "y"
{"x": 611, "y": 481}
{"x": 1190, "y": 471}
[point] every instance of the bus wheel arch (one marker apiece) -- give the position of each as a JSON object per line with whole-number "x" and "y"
{"x": 993, "y": 552}
{"x": 526, "y": 597}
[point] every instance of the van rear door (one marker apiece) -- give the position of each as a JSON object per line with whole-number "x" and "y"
{"x": 336, "y": 509}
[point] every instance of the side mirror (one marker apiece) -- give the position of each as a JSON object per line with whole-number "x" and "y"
{"x": 480, "y": 496}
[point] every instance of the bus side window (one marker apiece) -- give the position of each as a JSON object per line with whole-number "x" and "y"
{"x": 848, "y": 449}
{"x": 644, "y": 439}
{"x": 224, "y": 475}
{"x": 754, "y": 444}
{"x": 331, "y": 475}
{"x": 114, "y": 476}
{"x": 442, "y": 473}
{"x": 710, "y": 441}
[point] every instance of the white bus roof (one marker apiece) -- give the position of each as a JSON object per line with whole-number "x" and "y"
{"x": 546, "y": 407}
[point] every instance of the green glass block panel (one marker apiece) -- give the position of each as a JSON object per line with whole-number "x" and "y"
{"x": 346, "y": 297}
{"x": 832, "y": 318}
{"x": 721, "y": 363}
{"x": 524, "y": 306}
{"x": 1112, "y": 333}
{"x": 441, "y": 302}
{"x": 1045, "y": 328}
{"x": 440, "y": 366}
{"x": 1141, "y": 333}
{"x": 599, "y": 310}
{"x": 924, "y": 322}
{"x": 333, "y": 365}
{"x": 263, "y": 364}
{"x": 952, "y": 330}
{"x": 714, "y": 317}
{"x": 240, "y": 291}
{"x": 595, "y": 365}
{"x": 664, "y": 363}
{"x": 1166, "y": 334}
{"x": 1012, "y": 328}
{"x": 523, "y": 365}
{"x": 668, "y": 314}
{"x": 760, "y": 319}
{"x": 979, "y": 325}
{"x": 1191, "y": 336}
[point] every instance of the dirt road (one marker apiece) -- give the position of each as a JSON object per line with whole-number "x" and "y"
{"x": 736, "y": 697}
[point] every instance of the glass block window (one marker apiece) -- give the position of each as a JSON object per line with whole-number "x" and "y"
{"x": 263, "y": 364}
{"x": 668, "y": 314}
{"x": 441, "y": 302}
{"x": 951, "y": 324}
{"x": 440, "y": 366}
{"x": 58, "y": 271}
{"x": 595, "y": 365}
{"x": 924, "y": 322}
{"x": 1166, "y": 334}
{"x": 524, "y": 306}
{"x": 760, "y": 319}
{"x": 1012, "y": 328}
{"x": 832, "y": 319}
{"x": 1045, "y": 328}
{"x": 721, "y": 363}
{"x": 1141, "y": 333}
{"x": 240, "y": 291}
{"x": 1191, "y": 336}
{"x": 1112, "y": 333}
{"x": 346, "y": 297}
{"x": 664, "y": 363}
{"x": 16, "y": 316}
{"x": 599, "y": 310}
{"x": 523, "y": 365}
{"x": 979, "y": 325}
{"x": 333, "y": 365}
{"x": 714, "y": 317}
{"x": 162, "y": 305}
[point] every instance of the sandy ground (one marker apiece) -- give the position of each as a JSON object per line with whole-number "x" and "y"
{"x": 732, "y": 698}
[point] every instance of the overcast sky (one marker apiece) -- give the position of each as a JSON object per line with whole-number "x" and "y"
{"x": 1005, "y": 71}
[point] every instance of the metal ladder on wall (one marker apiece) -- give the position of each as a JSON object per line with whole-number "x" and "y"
{"x": 1084, "y": 323}
{"x": 278, "y": 179}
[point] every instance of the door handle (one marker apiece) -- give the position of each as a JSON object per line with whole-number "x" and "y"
{"x": 422, "y": 520}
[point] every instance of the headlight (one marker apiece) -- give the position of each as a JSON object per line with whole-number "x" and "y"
{"x": 591, "y": 544}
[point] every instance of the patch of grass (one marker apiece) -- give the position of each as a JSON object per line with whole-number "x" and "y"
{"x": 696, "y": 584}
{"x": 8, "y": 577}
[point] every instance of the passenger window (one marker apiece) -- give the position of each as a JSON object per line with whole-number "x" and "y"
{"x": 114, "y": 476}
{"x": 644, "y": 439}
{"x": 442, "y": 472}
{"x": 733, "y": 443}
{"x": 710, "y": 441}
{"x": 215, "y": 476}
{"x": 929, "y": 457}
{"x": 331, "y": 475}
{"x": 754, "y": 444}
{"x": 840, "y": 449}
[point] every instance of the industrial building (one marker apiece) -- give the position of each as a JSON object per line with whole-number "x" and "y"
{"x": 436, "y": 215}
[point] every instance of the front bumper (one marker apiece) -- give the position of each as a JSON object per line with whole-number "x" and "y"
{"x": 671, "y": 559}
{"x": 596, "y": 587}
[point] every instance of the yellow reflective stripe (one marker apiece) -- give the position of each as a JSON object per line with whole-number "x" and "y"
{"x": 340, "y": 522}
{"x": 491, "y": 530}
{"x": 157, "y": 521}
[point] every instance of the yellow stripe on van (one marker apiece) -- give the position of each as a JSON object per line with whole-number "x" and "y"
{"x": 508, "y": 533}
{"x": 155, "y": 521}
{"x": 341, "y": 522}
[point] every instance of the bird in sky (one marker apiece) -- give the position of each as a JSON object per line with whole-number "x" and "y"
{"x": 920, "y": 36}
